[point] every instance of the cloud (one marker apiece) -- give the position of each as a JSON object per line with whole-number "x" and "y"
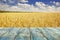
{"x": 3, "y": 7}
{"x": 23, "y": 0}
{"x": 44, "y": 7}
{"x": 38, "y": 7}
{"x": 27, "y": 7}
{"x": 4, "y": 0}
{"x": 55, "y": 3}
{"x": 19, "y": 7}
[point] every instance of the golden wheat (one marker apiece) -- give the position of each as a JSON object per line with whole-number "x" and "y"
{"x": 30, "y": 19}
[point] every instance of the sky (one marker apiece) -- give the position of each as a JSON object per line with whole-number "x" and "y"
{"x": 30, "y": 5}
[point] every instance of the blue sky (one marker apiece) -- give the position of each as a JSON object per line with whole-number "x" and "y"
{"x": 44, "y": 1}
{"x": 39, "y": 5}
{"x": 30, "y": 1}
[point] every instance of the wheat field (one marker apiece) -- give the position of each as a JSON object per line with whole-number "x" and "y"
{"x": 30, "y": 19}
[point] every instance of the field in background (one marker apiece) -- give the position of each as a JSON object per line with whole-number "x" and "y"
{"x": 38, "y": 19}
